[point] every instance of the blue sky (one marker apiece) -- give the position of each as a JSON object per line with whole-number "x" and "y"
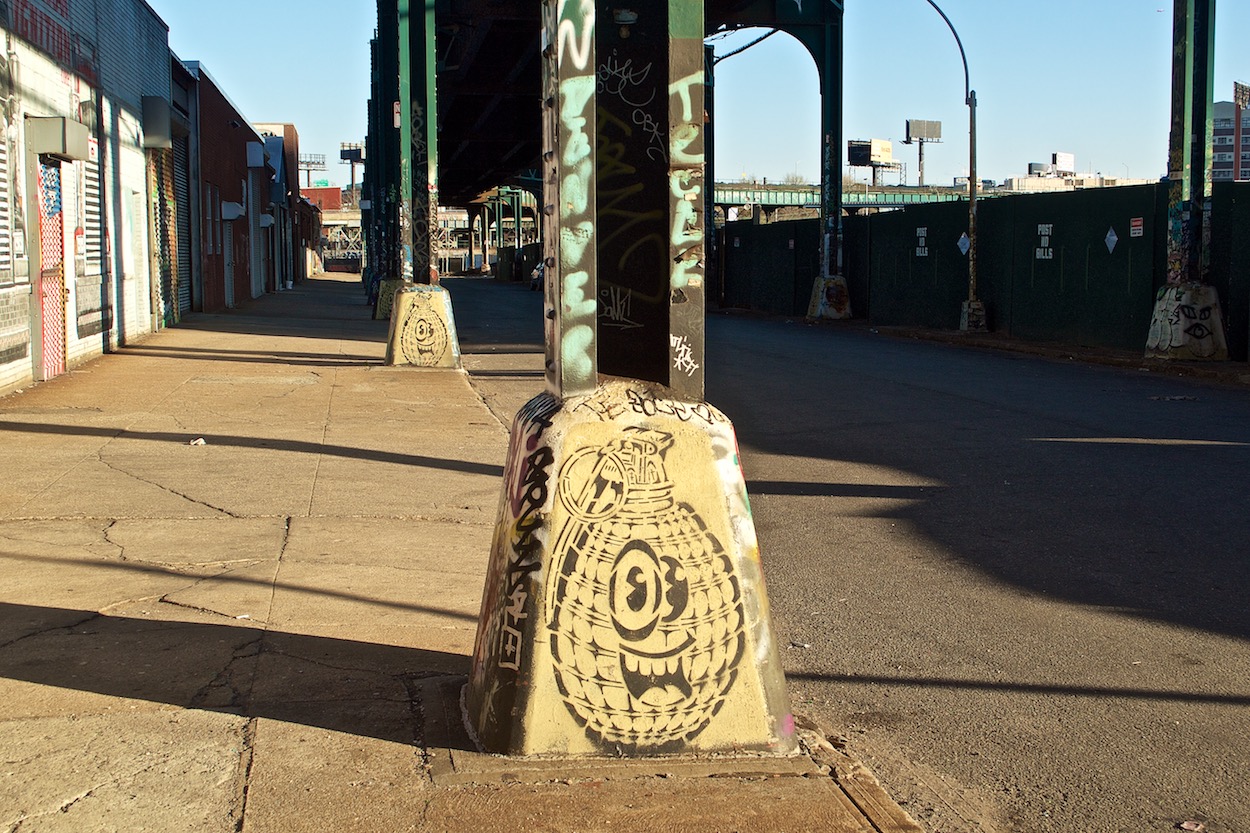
{"x": 1088, "y": 78}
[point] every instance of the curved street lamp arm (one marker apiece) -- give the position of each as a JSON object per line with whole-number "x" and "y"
{"x": 962, "y": 56}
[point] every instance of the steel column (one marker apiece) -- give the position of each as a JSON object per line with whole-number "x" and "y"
{"x": 385, "y": 173}
{"x": 1189, "y": 147}
{"x": 569, "y": 195}
{"x": 418, "y": 143}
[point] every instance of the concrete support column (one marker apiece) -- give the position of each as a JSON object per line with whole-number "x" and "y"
{"x": 475, "y": 216}
{"x": 515, "y": 206}
{"x": 418, "y": 141}
{"x": 1187, "y": 323}
{"x": 423, "y": 328}
{"x": 830, "y": 296}
{"x": 624, "y": 611}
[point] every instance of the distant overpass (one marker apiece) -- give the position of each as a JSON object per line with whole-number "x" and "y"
{"x": 769, "y": 196}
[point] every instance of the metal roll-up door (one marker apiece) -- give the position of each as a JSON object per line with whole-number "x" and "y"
{"x": 182, "y": 209}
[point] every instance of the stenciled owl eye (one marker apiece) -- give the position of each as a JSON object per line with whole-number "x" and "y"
{"x": 637, "y": 591}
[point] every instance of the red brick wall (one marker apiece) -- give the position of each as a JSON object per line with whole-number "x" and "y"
{"x": 327, "y": 199}
{"x": 223, "y": 166}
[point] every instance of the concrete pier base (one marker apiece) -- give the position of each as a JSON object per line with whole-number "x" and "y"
{"x": 1187, "y": 324}
{"x": 830, "y": 299}
{"x": 624, "y": 611}
{"x": 386, "y": 297}
{"x": 972, "y": 317}
{"x": 423, "y": 328}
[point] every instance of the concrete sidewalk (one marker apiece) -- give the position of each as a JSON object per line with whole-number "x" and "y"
{"x": 242, "y": 563}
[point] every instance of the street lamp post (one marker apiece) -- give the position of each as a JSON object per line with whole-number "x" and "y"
{"x": 972, "y": 314}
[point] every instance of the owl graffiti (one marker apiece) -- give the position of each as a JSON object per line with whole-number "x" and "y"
{"x": 423, "y": 338}
{"x": 646, "y": 620}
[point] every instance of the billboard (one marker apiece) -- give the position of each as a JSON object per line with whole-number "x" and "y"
{"x": 865, "y": 153}
{"x": 1065, "y": 163}
{"x": 923, "y": 130}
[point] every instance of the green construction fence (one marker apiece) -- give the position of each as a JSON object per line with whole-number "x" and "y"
{"x": 1079, "y": 267}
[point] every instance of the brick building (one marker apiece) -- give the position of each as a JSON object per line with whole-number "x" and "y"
{"x": 132, "y": 190}
{"x": 1231, "y": 142}
{"x": 230, "y": 178}
{"x": 326, "y": 199}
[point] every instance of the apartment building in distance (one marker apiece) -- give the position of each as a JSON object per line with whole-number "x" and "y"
{"x": 1230, "y": 143}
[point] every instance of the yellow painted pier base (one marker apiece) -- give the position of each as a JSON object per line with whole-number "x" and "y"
{"x": 423, "y": 328}
{"x": 624, "y": 611}
{"x": 386, "y": 298}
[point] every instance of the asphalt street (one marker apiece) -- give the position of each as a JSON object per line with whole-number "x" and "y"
{"x": 1017, "y": 585}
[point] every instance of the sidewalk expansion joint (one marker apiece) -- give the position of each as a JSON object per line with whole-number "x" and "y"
{"x": 857, "y": 781}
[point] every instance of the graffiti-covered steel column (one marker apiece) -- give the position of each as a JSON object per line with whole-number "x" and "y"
{"x": 396, "y": 272}
{"x": 1187, "y": 323}
{"x": 418, "y": 141}
{"x": 651, "y": 194}
{"x": 624, "y": 611}
{"x": 383, "y": 174}
{"x": 569, "y": 190}
{"x": 423, "y": 328}
{"x": 830, "y": 297}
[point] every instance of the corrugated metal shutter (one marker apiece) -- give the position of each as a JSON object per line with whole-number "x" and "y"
{"x": 6, "y": 216}
{"x": 161, "y": 189}
{"x": 182, "y": 202}
{"x": 257, "y": 252}
{"x": 92, "y": 225}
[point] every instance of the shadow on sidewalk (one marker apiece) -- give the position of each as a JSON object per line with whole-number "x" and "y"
{"x": 359, "y": 688}
{"x": 286, "y": 357}
{"x": 228, "y": 578}
{"x": 239, "y": 441}
{"x": 951, "y": 684}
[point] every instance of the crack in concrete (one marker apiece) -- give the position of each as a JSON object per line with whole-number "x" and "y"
{"x": 100, "y": 456}
{"x": 330, "y": 666}
{"x": 416, "y": 707}
{"x": 277, "y": 567}
{"x": 243, "y": 776}
{"x": 105, "y": 611}
{"x": 325, "y": 432}
{"x": 185, "y": 606}
{"x": 17, "y": 540}
{"x": 225, "y": 678}
{"x": 105, "y": 533}
{"x": 67, "y": 804}
{"x": 45, "y": 631}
